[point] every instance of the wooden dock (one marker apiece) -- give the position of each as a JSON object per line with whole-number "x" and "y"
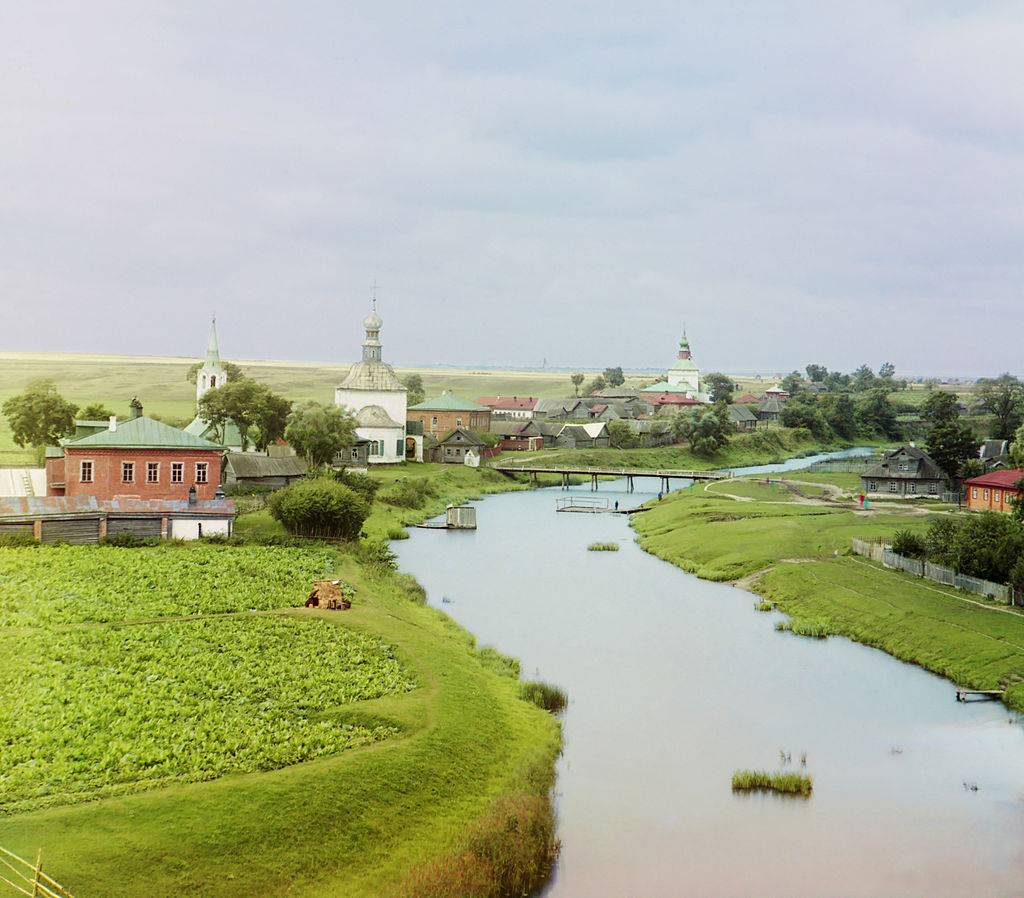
{"x": 966, "y": 695}
{"x": 584, "y": 505}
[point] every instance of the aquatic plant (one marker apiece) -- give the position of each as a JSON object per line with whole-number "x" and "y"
{"x": 764, "y": 606}
{"x": 764, "y": 781}
{"x": 603, "y": 547}
{"x": 815, "y": 629}
{"x": 544, "y": 695}
{"x": 398, "y": 533}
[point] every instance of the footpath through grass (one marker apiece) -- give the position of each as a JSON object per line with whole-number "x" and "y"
{"x": 460, "y": 753}
{"x": 802, "y": 552}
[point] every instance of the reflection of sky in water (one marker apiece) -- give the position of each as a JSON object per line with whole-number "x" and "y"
{"x": 674, "y": 682}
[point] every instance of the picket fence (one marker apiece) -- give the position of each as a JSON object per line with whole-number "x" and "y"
{"x": 937, "y": 573}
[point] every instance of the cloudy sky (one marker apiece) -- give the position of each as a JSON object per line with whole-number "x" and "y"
{"x": 836, "y": 182}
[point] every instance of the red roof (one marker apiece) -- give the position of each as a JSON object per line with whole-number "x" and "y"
{"x": 672, "y": 399}
{"x": 519, "y": 403}
{"x": 746, "y": 399}
{"x": 1000, "y": 479}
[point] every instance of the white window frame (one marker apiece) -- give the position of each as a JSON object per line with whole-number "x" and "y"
{"x": 996, "y": 496}
{"x": 912, "y": 488}
{"x": 458, "y": 422}
{"x": 127, "y": 467}
{"x": 433, "y": 421}
{"x": 872, "y": 486}
{"x": 150, "y": 466}
{"x": 986, "y": 494}
{"x": 202, "y": 472}
{"x": 81, "y": 470}
{"x": 894, "y": 487}
{"x": 974, "y": 492}
{"x": 177, "y": 472}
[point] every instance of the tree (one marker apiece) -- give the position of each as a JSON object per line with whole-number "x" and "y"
{"x": 951, "y": 443}
{"x": 682, "y": 427}
{"x": 614, "y": 377}
{"x": 1017, "y": 448}
{"x": 40, "y": 416}
{"x": 595, "y": 386}
{"x": 887, "y": 370}
{"x": 835, "y": 381}
{"x": 841, "y": 415}
{"x": 803, "y": 411}
{"x": 319, "y": 432}
{"x": 576, "y": 379}
{"x": 939, "y": 408}
{"x": 621, "y": 436}
{"x": 711, "y": 431}
{"x": 719, "y": 387}
{"x": 238, "y": 401}
{"x": 791, "y": 383}
{"x": 95, "y": 411}
{"x": 875, "y": 414}
{"x": 415, "y": 393}
{"x": 863, "y": 379}
{"x": 230, "y": 369}
{"x": 320, "y": 507}
{"x": 270, "y": 415}
{"x": 816, "y": 374}
{"x": 1003, "y": 398}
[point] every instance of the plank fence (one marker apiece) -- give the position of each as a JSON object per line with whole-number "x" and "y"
{"x": 937, "y": 573}
{"x": 855, "y": 465}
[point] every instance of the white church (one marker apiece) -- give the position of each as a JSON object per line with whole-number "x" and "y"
{"x": 375, "y": 396}
{"x": 211, "y": 375}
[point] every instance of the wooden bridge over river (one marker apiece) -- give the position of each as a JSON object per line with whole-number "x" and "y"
{"x": 665, "y": 476}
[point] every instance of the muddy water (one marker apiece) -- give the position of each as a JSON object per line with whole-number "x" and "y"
{"x": 675, "y": 682}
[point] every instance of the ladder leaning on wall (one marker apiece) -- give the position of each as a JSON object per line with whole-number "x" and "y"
{"x": 26, "y": 878}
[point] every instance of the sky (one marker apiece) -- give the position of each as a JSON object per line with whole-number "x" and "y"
{"x": 791, "y": 182}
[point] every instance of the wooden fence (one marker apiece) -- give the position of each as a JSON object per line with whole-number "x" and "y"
{"x": 937, "y": 573}
{"x": 26, "y": 878}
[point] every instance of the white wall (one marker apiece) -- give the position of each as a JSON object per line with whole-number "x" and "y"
{"x": 390, "y": 436}
{"x": 393, "y": 402}
{"x": 188, "y": 528}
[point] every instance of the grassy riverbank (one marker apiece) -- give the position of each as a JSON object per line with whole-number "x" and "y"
{"x": 794, "y": 553}
{"x": 462, "y": 757}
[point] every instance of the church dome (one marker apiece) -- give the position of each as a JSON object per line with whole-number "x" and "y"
{"x": 372, "y": 322}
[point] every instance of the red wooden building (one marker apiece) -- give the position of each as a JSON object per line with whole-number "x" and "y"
{"x": 138, "y": 458}
{"x": 995, "y": 491}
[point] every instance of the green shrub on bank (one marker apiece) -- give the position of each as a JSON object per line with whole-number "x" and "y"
{"x": 815, "y": 629}
{"x": 412, "y": 493}
{"x": 764, "y": 606}
{"x": 505, "y": 665}
{"x": 763, "y": 781}
{"x": 544, "y": 695}
{"x": 603, "y": 547}
{"x": 363, "y": 484}
{"x": 320, "y": 507}
{"x": 398, "y": 533}
{"x": 910, "y": 544}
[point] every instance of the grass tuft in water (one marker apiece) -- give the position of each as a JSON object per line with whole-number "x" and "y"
{"x": 603, "y": 547}
{"x": 544, "y": 695}
{"x": 765, "y": 606}
{"x": 764, "y": 781}
{"x": 815, "y": 629}
{"x": 398, "y": 533}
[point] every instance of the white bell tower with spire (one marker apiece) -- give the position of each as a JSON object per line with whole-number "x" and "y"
{"x": 213, "y": 373}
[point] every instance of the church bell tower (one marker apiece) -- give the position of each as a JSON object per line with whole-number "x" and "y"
{"x": 212, "y": 374}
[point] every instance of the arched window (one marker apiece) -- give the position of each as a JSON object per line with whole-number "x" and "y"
{"x": 204, "y": 381}
{"x": 380, "y": 447}
{"x": 213, "y": 381}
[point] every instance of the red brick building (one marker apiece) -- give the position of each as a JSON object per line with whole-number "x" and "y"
{"x": 995, "y": 491}
{"x": 138, "y": 458}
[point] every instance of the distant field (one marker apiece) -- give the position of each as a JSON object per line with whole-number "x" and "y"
{"x": 160, "y": 383}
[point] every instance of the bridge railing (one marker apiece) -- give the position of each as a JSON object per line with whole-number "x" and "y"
{"x": 607, "y": 471}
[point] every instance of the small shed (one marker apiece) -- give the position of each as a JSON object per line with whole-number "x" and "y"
{"x": 249, "y": 469}
{"x": 456, "y": 444}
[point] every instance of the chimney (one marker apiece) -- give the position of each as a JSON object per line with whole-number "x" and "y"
{"x": 136, "y": 407}
{"x": 112, "y": 425}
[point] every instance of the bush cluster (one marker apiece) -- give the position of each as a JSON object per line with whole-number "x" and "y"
{"x": 544, "y": 695}
{"x": 411, "y": 493}
{"x": 989, "y": 546}
{"x": 320, "y": 507}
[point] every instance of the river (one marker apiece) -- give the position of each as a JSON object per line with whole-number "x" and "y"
{"x": 674, "y": 682}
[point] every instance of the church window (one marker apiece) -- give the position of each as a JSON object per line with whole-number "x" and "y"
{"x": 127, "y": 472}
{"x": 204, "y": 381}
{"x": 213, "y": 381}
{"x": 152, "y": 472}
{"x": 380, "y": 447}
{"x": 399, "y": 447}
{"x": 202, "y": 469}
{"x": 177, "y": 472}
{"x": 85, "y": 472}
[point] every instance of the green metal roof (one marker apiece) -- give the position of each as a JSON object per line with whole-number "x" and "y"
{"x": 142, "y": 433}
{"x": 198, "y": 427}
{"x": 663, "y": 386}
{"x": 447, "y": 402}
{"x": 683, "y": 365}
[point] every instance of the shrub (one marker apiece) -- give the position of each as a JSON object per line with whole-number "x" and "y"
{"x": 411, "y": 493}
{"x": 764, "y": 606}
{"x": 363, "y": 484}
{"x": 247, "y": 489}
{"x": 320, "y": 507}
{"x": 130, "y": 540}
{"x": 910, "y": 544}
{"x": 815, "y": 629}
{"x": 377, "y": 556}
{"x": 398, "y": 533}
{"x": 603, "y": 547}
{"x": 763, "y": 781}
{"x": 544, "y": 695}
{"x": 411, "y": 586}
{"x": 18, "y": 540}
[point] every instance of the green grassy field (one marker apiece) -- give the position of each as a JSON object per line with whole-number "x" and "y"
{"x": 802, "y": 554}
{"x": 161, "y": 385}
{"x": 420, "y": 768}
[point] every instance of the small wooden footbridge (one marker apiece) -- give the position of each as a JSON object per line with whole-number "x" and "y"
{"x": 969, "y": 695}
{"x": 586, "y": 505}
{"x": 567, "y": 472}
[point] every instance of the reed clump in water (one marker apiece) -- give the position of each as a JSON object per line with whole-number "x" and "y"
{"x": 544, "y": 695}
{"x": 815, "y": 629}
{"x": 764, "y": 781}
{"x": 764, "y": 606}
{"x": 603, "y": 547}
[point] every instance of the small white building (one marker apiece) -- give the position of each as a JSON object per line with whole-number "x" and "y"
{"x": 376, "y": 397}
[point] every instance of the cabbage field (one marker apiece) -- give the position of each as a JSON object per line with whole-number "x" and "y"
{"x": 75, "y": 584}
{"x": 94, "y": 709}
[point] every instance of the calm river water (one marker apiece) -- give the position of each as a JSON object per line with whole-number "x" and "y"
{"x": 674, "y": 682}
